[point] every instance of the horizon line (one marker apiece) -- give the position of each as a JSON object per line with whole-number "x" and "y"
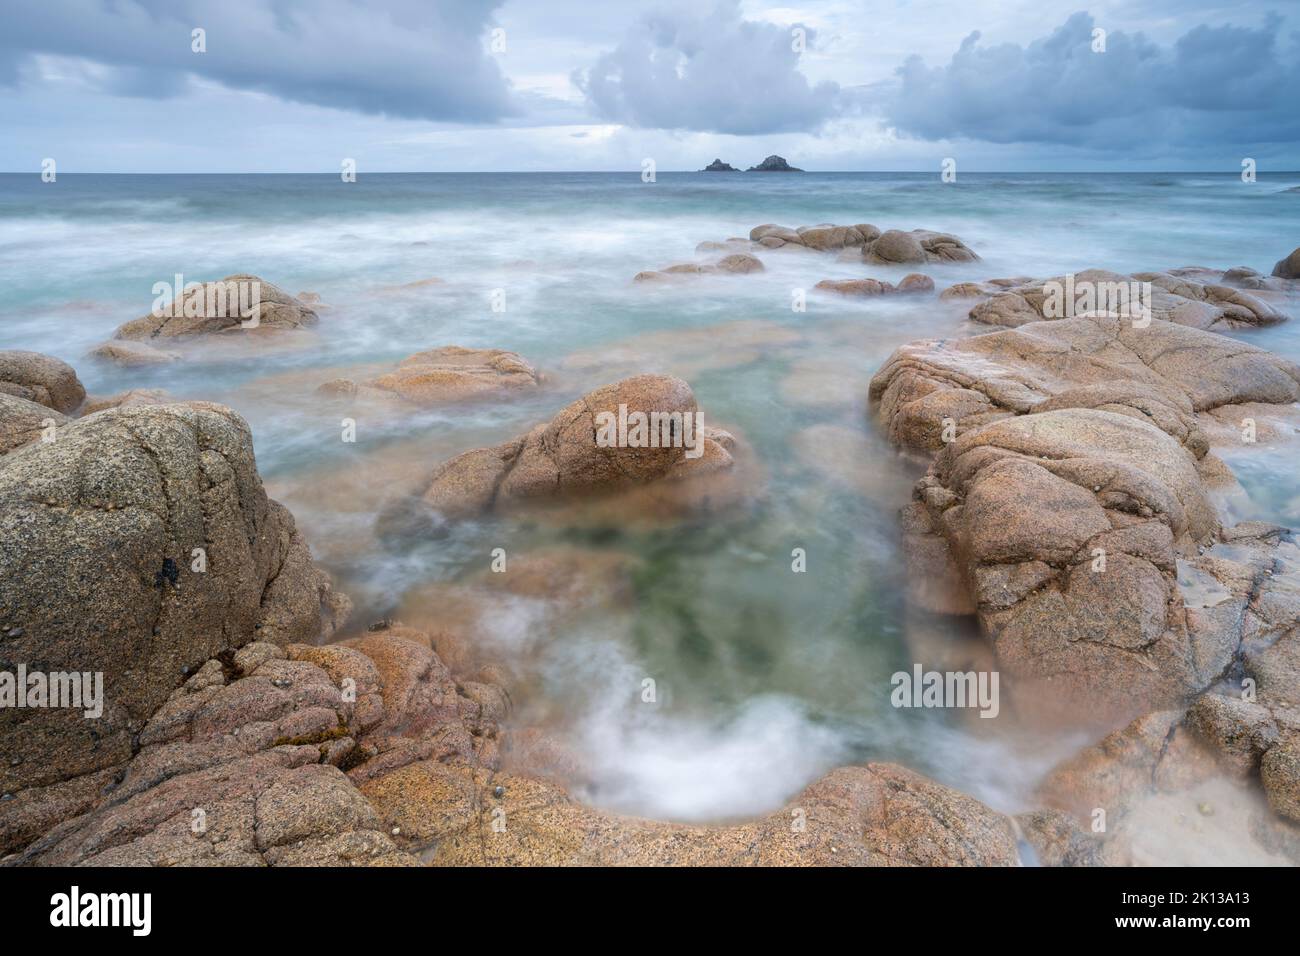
{"x": 634, "y": 171}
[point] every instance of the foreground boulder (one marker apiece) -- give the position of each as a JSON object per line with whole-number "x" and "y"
{"x": 1067, "y": 490}
{"x": 1066, "y": 527}
{"x": 1173, "y": 298}
{"x": 221, "y": 307}
{"x": 371, "y": 751}
{"x": 567, "y": 457}
{"x": 42, "y": 379}
{"x": 1246, "y": 728}
{"x": 876, "y": 815}
{"x": 268, "y": 745}
{"x": 448, "y": 374}
{"x": 138, "y": 544}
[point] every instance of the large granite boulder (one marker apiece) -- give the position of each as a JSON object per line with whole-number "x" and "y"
{"x": 1071, "y": 480}
{"x": 567, "y": 456}
{"x": 1066, "y": 527}
{"x": 139, "y": 544}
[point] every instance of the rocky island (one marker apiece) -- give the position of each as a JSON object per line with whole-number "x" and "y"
{"x": 774, "y": 164}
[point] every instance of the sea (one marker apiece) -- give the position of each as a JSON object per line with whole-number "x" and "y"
{"x": 763, "y": 677}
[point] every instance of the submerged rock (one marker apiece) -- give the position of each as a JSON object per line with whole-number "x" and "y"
{"x": 131, "y": 354}
{"x": 736, "y": 263}
{"x": 858, "y": 288}
{"x": 1288, "y": 268}
{"x": 911, "y": 283}
{"x": 448, "y": 374}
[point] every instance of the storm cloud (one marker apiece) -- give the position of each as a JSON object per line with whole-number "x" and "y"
{"x": 403, "y": 58}
{"x": 710, "y": 72}
{"x": 1212, "y": 85}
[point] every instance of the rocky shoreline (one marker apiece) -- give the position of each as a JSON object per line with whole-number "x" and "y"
{"x": 1069, "y": 506}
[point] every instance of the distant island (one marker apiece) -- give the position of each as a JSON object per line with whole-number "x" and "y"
{"x": 773, "y": 164}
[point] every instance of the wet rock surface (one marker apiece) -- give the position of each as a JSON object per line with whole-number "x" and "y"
{"x": 1166, "y": 296}
{"x": 41, "y": 379}
{"x": 217, "y": 307}
{"x": 1067, "y": 488}
{"x": 1163, "y": 374}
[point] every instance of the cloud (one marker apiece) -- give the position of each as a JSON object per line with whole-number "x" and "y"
{"x": 1214, "y": 85}
{"x": 709, "y": 72}
{"x": 405, "y": 58}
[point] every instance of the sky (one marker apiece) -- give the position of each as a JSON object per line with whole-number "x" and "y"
{"x": 548, "y": 85}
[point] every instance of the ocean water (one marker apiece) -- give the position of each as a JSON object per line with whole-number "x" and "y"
{"x": 764, "y": 678}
